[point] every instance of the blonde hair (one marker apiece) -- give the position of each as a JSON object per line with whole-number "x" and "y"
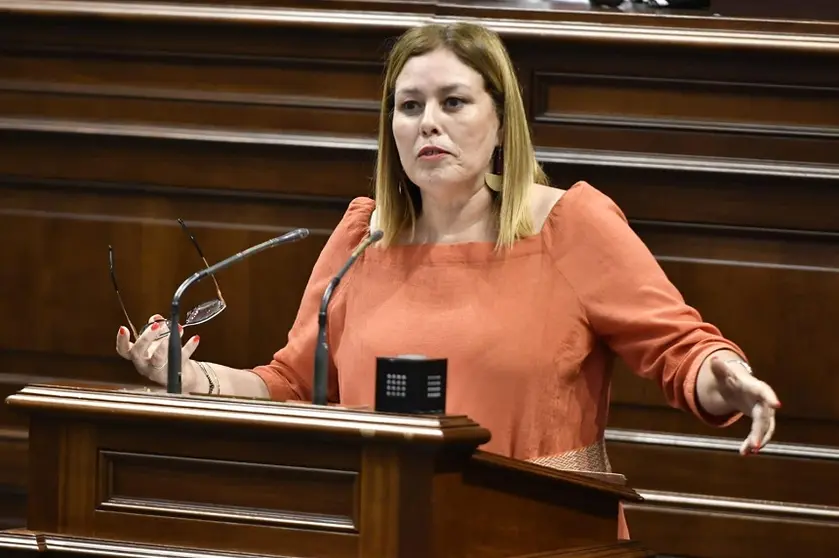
{"x": 398, "y": 202}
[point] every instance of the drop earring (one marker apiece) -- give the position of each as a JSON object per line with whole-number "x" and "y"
{"x": 495, "y": 179}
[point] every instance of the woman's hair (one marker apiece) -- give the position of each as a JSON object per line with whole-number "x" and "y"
{"x": 398, "y": 201}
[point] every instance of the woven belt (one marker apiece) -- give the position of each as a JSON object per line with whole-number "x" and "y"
{"x": 588, "y": 458}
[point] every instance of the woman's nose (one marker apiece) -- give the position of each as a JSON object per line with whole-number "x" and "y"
{"x": 428, "y": 125}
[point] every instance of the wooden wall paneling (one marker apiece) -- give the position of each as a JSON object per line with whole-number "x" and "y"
{"x": 704, "y": 500}
{"x": 152, "y": 257}
{"x": 248, "y": 164}
{"x": 763, "y": 478}
{"x": 774, "y": 292}
{"x": 67, "y": 227}
{"x": 701, "y": 533}
{"x": 114, "y": 124}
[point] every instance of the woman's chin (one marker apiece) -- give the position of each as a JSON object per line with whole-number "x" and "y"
{"x": 439, "y": 181}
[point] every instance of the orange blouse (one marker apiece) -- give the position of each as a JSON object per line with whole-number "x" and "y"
{"x": 529, "y": 333}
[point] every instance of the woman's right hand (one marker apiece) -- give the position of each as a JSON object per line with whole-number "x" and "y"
{"x": 149, "y": 353}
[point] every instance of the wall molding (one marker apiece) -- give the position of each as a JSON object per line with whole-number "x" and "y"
{"x": 176, "y": 94}
{"x": 609, "y": 33}
{"x": 688, "y": 125}
{"x": 557, "y": 156}
{"x": 747, "y": 264}
{"x": 707, "y": 504}
{"x": 715, "y": 443}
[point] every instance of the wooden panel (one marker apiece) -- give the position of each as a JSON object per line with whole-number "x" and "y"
{"x": 260, "y": 94}
{"x": 798, "y": 272}
{"x": 113, "y": 124}
{"x": 704, "y": 534}
{"x": 763, "y": 478}
{"x": 487, "y": 494}
{"x": 238, "y": 491}
{"x": 691, "y": 100}
{"x": 300, "y": 488}
{"x": 144, "y": 156}
{"x": 13, "y": 469}
{"x": 688, "y": 115}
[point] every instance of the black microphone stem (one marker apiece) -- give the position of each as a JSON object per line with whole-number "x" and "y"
{"x": 173, "y": 380}
{"x": 321, "y": 379}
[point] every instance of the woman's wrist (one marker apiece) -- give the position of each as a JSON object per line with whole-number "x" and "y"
{"x": 213, "y": 384}
{"x": 708, "y": 391}
{"x": 194, "y": 380}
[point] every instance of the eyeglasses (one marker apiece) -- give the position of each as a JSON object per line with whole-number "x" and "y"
{"x": 204, "y": 312}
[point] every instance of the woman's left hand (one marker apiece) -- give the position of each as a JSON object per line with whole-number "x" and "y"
{"x": 741, "y": 391}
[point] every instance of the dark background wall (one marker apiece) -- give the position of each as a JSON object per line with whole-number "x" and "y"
{"x": 719, "y": 142}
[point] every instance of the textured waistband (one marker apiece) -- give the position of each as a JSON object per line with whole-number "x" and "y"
{"x": 588, "y": 458}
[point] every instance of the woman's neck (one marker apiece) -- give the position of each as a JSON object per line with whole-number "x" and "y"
{"x": 447, "y": 220}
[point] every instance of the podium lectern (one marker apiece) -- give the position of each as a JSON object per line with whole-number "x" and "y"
{"x": 142, "y": 474}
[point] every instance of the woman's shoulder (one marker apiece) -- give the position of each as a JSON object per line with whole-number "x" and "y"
{"x": 588, "y": 225}
{"x": 353, "y": 226}
{"x": 357, "y": 217}
{"x": 543, "y": 201}
{"x": 580, "y": 205}
{"x": 361, "y": 206}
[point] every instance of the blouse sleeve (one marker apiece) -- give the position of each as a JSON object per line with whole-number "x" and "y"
{"x": 630, "y": 303}
{"x": 289, "y": 375}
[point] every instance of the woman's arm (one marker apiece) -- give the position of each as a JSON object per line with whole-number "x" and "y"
{"x": 631, "y": 305}
{"x": 212, "y": 378}
{"x": 709, "y": 393}
{"x": 289, "y": 375}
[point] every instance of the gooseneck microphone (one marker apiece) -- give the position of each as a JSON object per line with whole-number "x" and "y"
{"x": 174, "y": 372}
{"x": 322, "y": 348}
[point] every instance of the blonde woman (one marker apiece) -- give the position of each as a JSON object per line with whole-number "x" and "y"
{"x": 526, "y": 289}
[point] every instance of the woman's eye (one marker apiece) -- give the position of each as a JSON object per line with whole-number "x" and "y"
{"x": 454, "y": 103}
{"x": 409, "y": 106}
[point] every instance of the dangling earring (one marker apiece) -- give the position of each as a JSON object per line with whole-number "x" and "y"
{"x": 495, "y": 178}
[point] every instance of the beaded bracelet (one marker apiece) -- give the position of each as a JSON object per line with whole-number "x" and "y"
{"x": 206, "y": 369}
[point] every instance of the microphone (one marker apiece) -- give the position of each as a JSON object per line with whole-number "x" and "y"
{"x": 174, "y": 372}
{"x": 322, "y": 349}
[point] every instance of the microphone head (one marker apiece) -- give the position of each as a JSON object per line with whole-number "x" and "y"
{"x": 376, "y": 235}
{"x": 295, "y": 235}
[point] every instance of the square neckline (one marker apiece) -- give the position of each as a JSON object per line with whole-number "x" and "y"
{"x": 474, "y": 251}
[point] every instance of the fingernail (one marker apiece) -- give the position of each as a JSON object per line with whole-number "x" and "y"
{"x": 196, "y": 339}
{"x": 122, "y": 331}
{"x": 779, "y": 404}
{"x": 155, "y": 326}
{"x": 180, "y": 327}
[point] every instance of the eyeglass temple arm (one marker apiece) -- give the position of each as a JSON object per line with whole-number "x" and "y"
{"x": 201, "y": 253}
{"x": 213, "y": 277}
{"x": 119, "y": 296}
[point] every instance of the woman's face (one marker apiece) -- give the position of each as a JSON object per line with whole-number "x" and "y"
{"x": 444, "y": 123}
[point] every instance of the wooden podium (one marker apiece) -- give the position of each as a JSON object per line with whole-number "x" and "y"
{"x": 137, "y": 473}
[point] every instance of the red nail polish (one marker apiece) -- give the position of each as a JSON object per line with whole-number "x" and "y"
{"x": 122, "y": 331}
{"x": 197, "y": 339}
{"x": 154, "y": 326}
{"x": 180, "y": 327}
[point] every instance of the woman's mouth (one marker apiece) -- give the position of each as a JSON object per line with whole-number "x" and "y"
{"x": 432, "y": 153}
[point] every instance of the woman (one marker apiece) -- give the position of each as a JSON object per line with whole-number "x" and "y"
{"x": 527, "y": 290}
